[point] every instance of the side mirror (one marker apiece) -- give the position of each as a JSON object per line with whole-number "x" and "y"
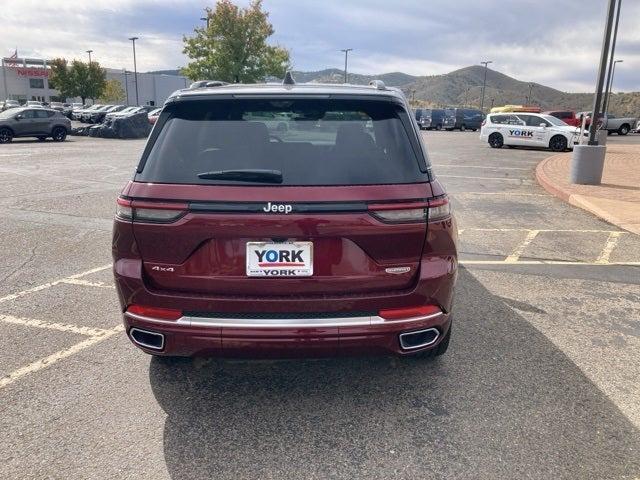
{"x": 543, "y": 125}
{"x": 19, "y": 116}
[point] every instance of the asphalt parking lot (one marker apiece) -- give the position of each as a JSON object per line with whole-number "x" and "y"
{"x": 542, "y": 379}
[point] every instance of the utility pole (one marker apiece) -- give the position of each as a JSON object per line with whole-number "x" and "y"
{"x": 89, "y": 52}
{"x": 597, "y": 101}
{"x": 206, "y": 19}
{"x": 587, "y": 161}
{"x": 135, "y": 68}
{"x": 346, "y": 55}
{"x": 605, "y": 107}
{"x": 529, "y": 100}
{"x": 605, "y": 104}
{"x": 484, "y": 83}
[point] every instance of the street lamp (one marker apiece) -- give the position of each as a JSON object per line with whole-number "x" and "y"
{"x": 529, "y": 96}
{"x": 484, "y": 83}
{"x": 607, "y": 89}
{"x": 346, "y": 54}
{"x": 608, "y": 99}
{"x": 135, "y": 68}
{"x": 205, "y": 19}
{"x": 89, "y": 52}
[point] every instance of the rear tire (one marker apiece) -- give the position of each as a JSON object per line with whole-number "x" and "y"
{"x": 6, "y": 135}
{"x": 59, "y": 134}
{"x": 496, "y": 140}
{"x": 558, "y": 143}
{"x": 624, "y": 129}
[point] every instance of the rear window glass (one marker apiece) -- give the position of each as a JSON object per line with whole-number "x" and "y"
{"x": 310, "y": 141}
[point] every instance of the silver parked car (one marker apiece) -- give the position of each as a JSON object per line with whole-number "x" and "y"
{"x": 33, "y": 122}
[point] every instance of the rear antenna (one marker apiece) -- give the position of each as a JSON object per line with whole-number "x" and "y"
{"x": 288, "y": 78}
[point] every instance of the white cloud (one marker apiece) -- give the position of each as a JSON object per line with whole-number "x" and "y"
{"x": 535, "y": 40}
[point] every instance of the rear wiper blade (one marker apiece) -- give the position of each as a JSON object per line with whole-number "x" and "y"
{"x": 244, "y": 175}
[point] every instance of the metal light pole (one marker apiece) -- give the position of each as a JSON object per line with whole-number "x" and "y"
{"x": 205, "y": 19}
{"x": 597, "y": 101}
{"x": 135, "y": 68}
{"x": 529, "y": 97}
{"x": 605, "y": 104}
{"x": 484, "y": 83}
{"x": 605, "y": 107}
{"x": 89, "y": 52}
{"x": 587, "y": 161}
{"x": 346, "y": 54}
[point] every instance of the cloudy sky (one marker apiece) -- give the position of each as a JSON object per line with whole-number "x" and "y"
{"x": 553, "y": 42}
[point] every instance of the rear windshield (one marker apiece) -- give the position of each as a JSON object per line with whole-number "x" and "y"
{"x": 310, "y": 141}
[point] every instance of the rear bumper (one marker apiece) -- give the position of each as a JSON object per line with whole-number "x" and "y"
{"x": 285, "y": 337}
{"x": 239, "y": 329}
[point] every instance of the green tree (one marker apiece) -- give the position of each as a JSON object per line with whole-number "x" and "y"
{"x": 233, "y": 48}
{"x": 113, "y": 92}
{"x": 78, "y": 79}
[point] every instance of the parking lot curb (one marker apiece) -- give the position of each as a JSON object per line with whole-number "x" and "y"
{"x": 604, "y": 207}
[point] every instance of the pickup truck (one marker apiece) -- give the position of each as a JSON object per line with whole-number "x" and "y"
{"x": 613, "y": 124}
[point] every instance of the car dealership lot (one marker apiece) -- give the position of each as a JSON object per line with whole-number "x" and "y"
{"x": 541, "y": 381}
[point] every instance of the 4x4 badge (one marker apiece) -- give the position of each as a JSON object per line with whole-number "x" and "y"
{"x": 397, "y": 270}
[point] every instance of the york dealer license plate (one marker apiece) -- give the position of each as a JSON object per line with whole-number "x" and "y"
{"x": 293, "y": 259}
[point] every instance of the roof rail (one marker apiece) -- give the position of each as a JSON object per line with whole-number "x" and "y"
{"x": 378, "y": 84}
{"x": 288, "y": 78}
{"x": 207, "y": 83}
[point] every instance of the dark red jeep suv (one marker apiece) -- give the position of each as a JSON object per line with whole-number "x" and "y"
{"x": 285, "y": 220}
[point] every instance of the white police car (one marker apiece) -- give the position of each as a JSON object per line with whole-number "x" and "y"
{"x": 516, "y": 129}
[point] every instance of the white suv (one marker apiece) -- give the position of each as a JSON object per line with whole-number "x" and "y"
{"x": 528, "y": 129}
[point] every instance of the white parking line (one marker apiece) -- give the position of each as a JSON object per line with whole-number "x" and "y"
{"x": 57, "y": 356}
{"x": 52, "y": 284}
{"x": 562, "y": 230}
{"x": 86, "y": 283}
{"x": 612, "y": 241}
{"x": 519, "y": 250}
{"x": 549, "y": 262}
{"x": 61, "y": 327}
{"x": 524, "y": 181}
{"x": 508, "y": 194}
{"x": 487, "y": 167}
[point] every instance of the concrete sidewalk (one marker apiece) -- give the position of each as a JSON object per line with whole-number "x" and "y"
{"x": 616, "y": 200}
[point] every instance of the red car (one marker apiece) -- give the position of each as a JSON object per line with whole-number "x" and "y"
{"x": 283, "y": 221}
{"x": 566, "y": 116}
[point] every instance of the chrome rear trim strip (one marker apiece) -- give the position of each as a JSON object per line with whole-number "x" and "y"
{"x": 213, "y": 322}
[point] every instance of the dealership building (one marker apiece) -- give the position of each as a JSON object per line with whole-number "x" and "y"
{"x": 28, "y": 79}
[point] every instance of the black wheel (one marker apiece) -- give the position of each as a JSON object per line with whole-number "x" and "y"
{"x": 463, "y": 127}
{"x": 624, "y": 129}
{"x": 6, "y": 135}
{"x": 496, "y": 140}
{"x": 59, "y": 134}
{"x": 558, "y": 143}
{"x": 439, "y": 127}
{"x": 440, "y": 349}
{"x": 42, "y": 139}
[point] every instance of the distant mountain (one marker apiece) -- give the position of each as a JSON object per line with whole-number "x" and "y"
{"x": 335, "y": 75}
{"x": 464, "y": 87}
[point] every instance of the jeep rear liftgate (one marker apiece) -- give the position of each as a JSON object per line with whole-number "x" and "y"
{"x": 250, "y": 248}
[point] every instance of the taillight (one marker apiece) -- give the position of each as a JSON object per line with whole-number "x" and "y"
{"x": 155, "y": 312}
{"x": 433, "y": 210}
{"x": 153, "y": 212}
{"x": 439, "y": 208}
{"x": 411, "y": 312}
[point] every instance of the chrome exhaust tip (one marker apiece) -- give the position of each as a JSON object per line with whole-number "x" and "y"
{"x": 147, "y": 339}
{"x": 419, "y": 338}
